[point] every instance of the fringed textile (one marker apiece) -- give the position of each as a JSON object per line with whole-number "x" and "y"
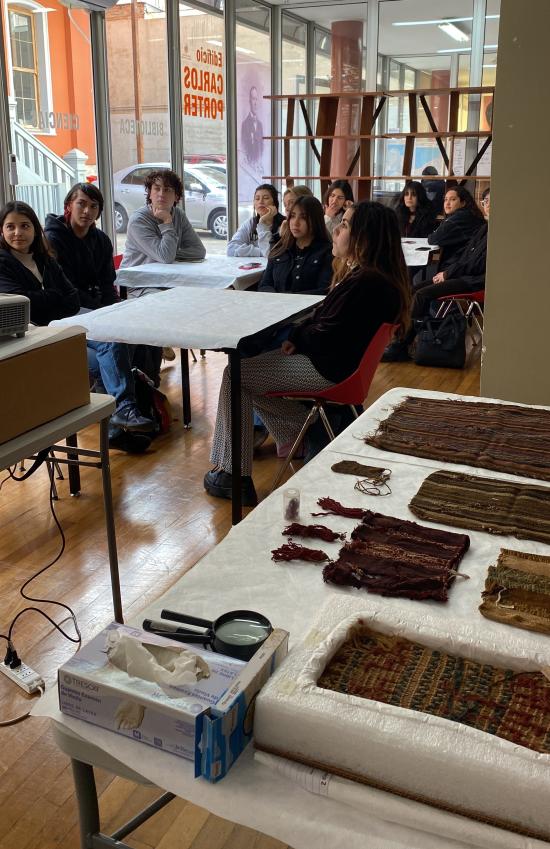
{"x": 396, "y": 671}
{"x": 394, "y": 557}
{"x": 485, "y": 504}
{"x": 315, "y": 531}
{"x": 293, "y": 551}
{"x": 502, "y": 437}
{"x": 517, "y": 591}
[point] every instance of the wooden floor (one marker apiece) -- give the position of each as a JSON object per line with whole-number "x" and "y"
{"x": 165, "y": 523}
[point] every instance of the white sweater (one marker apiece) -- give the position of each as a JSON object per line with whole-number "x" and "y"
{"x": 242, "y": 245}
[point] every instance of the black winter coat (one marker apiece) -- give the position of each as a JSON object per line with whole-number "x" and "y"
{"x": 453, "y": 233}
{"x": 87, "y": 262}
{"x": 55, "y": 297}
{"x": 302, "y": 272}
{"x": 469, "y": 264}
{"x": 424, "y": 223}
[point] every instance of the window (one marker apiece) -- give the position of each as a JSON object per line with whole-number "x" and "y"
{"x": 25, "y": 71}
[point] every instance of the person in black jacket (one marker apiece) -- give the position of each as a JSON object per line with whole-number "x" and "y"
{"x": 27, "y": 267}
{"x": 435, "y": 189}
{"x": 465, "y": 274}
{"x": 324, "y": 348}
{"x": 301, "y": 261}
{"x": 415, "y": 213}
{"x": 462, "y": 218}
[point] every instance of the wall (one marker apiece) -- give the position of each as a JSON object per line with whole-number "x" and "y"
{"x": 516, "y": 338}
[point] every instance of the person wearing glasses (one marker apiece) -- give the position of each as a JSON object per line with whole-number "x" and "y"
{"x": 466, "y": 273}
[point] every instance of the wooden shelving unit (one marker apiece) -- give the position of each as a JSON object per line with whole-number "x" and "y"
{"x": 372, "y": 104}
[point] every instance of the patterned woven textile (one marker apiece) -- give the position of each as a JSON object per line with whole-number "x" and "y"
{"x": 485, "y": 504}
{"x": 394, "y": 557}
{"x": 517, "y": 591}
{"x": 396, "y": 671}
{"x": 502, "y": 437}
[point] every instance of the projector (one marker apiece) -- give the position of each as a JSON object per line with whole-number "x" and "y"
{"x": 15, "y": 315}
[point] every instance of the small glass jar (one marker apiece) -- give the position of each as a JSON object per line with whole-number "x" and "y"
{"x": 291, "y": 505}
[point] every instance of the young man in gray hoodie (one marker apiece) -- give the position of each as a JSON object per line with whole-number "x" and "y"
{"x": 160, "y": 231}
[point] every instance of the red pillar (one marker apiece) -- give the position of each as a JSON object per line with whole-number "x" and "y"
{"x": 346, "y": 75}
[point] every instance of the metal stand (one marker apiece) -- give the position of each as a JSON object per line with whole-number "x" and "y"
{"x": 185, "y": 387}
{"x": 88, "y": 812}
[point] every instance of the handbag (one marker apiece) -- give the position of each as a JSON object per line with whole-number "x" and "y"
{"x": 441, "y": 341}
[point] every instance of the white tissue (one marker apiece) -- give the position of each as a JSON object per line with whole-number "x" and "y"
{"x": 164, "y": 665}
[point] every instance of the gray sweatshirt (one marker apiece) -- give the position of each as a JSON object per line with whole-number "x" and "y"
{"x": 148, "y": 240}
{"x": 242, "y": 245}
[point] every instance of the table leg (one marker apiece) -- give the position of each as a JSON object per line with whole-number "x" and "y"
{"x": 235, "y": 368}
{"x": 74, "y": 471}
{"x": 86, "y": 797}
{"x": 109, "y": 518}
{"x": 185, "y": 387}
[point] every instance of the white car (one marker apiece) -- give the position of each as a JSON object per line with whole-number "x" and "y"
{"x": 205, "y": 196}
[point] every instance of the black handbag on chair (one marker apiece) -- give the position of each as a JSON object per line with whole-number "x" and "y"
{"x": 441, "y": 341}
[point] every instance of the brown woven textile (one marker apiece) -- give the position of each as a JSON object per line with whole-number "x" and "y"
{"x": 396, "y": 671}
{"x": 394, "y": 557}
{"x": 485, "y": 504}
{"x": 517, "y": 591}
{"x": 502, "y": 437}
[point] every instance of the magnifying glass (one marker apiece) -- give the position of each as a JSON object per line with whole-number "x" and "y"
{"x": 239, "y": 633}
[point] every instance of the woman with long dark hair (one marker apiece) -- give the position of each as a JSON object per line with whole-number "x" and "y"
{"x": 28, "y": 266}
{"x": 415, "y": 212}
{"x": 254, "y": 237}
{"x": 323, "y": 349}
{"x": 462, "y": 218}
{"x": 338, "y": 197}
{"x": 301, "y": 261}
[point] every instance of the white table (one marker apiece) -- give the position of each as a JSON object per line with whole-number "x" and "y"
{"x": 214, "y": 272}
{"x": 290, "y": 595}
{"x": 417, "y": 251}
{"x": 210, "y": 319}
{"x": 66, "y": 427}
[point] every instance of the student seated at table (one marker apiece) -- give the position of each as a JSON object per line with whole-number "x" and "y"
{"x": 254, "y": 237}
{"x": 338, "y": 197}
{"x": 465, "y": 274}
{"x": 462, "y": 218}
{"x": 28, "y": 267}
{"x": 160, "y": 231}
{"x": 415, "y": 213}
{"x": 301, "y": 261}
{"x": 324, "y": 348}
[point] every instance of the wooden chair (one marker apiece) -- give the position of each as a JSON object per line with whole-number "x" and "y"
{"x": 350, "y": 392}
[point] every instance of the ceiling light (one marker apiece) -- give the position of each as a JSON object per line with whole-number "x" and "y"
{"x": 453, "y": 31}
{"x": 466, "y": 49}
{"x": 439, "y": 21}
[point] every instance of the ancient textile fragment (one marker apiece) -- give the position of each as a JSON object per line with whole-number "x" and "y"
{"x": 517, "y": 591}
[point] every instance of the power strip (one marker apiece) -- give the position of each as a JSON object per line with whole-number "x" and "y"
{"x": 26, "y": 678}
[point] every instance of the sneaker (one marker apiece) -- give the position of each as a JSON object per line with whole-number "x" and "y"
{"x": 396, "y": 352}
{"x": 168, "y": 354}
{"x": 130, "y": 418}
{"x": 125, "y": 440}
{"x": 260, "y": 435}
{"x": 219, "y": 484}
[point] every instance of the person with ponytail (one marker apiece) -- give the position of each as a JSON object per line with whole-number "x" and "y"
{"x": 255, "y": 236}
{"x": 324, "y": 348}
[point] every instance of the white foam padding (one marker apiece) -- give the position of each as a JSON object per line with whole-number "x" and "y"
{"x": 475, "y": 773}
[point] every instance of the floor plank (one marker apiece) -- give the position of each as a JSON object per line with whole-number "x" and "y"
{"x": 165, "y": 523}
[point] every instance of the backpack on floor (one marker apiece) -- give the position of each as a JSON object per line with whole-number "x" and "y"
{"x": 152, "y": 402}
{"x": 441, "y": 341}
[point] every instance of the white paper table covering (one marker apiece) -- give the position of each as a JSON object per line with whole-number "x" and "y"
{"x": 417, "y": 251}
{"x": 214, "y": 272}
{"x": 239, "y": 573}
{"x": 190, "y": 318}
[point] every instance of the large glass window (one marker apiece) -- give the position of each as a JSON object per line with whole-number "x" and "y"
{"x": 294, "y": 82}
{"x": 25, "y": 69}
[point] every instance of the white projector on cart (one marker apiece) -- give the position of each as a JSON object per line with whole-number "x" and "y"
{"x": 15, "y": 315}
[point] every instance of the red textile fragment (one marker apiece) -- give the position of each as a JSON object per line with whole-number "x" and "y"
{"x": 334, "y": 507}
{"x": 316, "y": 531}
{"x": 292, "y": 551}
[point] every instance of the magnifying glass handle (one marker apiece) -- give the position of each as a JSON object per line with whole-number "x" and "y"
{"x": 183, "y": 617}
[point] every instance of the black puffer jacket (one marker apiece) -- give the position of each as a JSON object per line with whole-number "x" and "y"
{"x": 469, "y": 264}
{"x": 55, "y": 297}
{"x": 302, "y": 272}
{"x": 453, "y": 233}
{"x": 87, "y": 262}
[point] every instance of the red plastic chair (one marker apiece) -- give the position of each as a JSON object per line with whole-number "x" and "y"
{"x": 350, "y": 392}
{"x": 474, "y": 302}
{"x": 117, "y": 260}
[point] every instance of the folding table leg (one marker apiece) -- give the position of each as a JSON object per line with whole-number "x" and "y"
{"x": 86, "y": 797}
{"x": 74, "y": 471}
{"x": 236, "y": 499}
{"x": 110, "y": 518}
{"x": 185, "y": 387}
